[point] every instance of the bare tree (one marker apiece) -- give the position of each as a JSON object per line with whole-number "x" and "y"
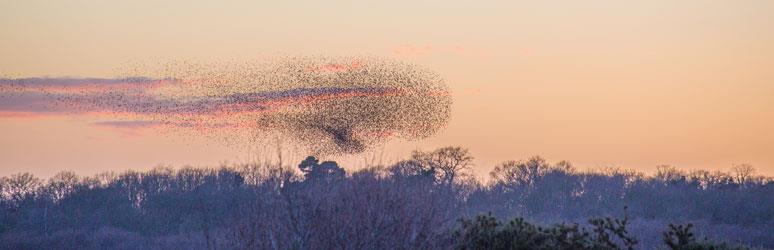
{"x": 449, "y": 162}
{"x": 522, "y": 173}
{"x": 743, "y": 173}
{"x": 62, "y": 184}
{"x": 20, "y": 186}
{"x": 669, "y": 174}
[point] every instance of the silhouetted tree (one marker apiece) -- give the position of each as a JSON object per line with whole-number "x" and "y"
{"x": 327, "y": 170}
{"x": 447, "y": 163}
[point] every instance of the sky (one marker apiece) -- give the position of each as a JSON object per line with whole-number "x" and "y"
{"x": 630, "y": 84}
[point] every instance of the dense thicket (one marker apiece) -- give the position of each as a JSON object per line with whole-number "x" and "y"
{"x": 415, "y": 203}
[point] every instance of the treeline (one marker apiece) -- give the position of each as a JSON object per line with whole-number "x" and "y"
{"x": 423, "y": 202}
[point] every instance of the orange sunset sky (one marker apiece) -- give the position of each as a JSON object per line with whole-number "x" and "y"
{"x": 631, "y": 84}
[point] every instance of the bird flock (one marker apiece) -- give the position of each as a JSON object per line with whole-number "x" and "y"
{"x": 328, "y": 105}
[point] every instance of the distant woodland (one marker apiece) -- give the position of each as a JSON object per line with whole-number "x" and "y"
{"x": 428, "y": 201}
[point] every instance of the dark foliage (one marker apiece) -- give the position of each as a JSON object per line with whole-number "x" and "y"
{"x": 680, "y": 237}
{"x": 413, "y": 204}
{"x": 486, "y": 232}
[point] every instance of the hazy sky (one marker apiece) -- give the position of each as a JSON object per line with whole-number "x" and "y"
{"x": 632, "y": 84}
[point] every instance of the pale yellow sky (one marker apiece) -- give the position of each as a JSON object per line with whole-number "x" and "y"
{"x": 599, "y": 83}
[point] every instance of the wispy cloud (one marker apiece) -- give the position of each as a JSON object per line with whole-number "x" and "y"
{"x": 50, "y": 96}
{"x": 134, "y": 98}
